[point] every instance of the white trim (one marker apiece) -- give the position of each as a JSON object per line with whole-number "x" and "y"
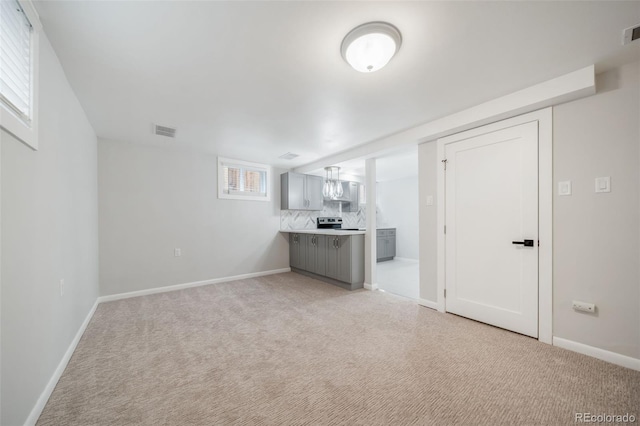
{"x": 604, "y": 355}
{"x": 27, "y": 133}
{"x": 371, "y": 287}
{"x": 440, "y": 220}
{"x": 175, "y": 287}
{"x": 46, "y": 393}
{"x": 406, "y": 259}
{"x": 568, "y": 87}
{"x": 370, "y": 240}
{"x": 544, "y": 118}
{"x": 545, "y": 225}
{"x": 428, "y": 304}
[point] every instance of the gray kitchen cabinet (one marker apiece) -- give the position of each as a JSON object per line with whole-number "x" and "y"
{"x": 385, "y": 244}
{"x": 336, "y": 259}
{"x": 316, "y": 254}
{"x": 345, "y": 258}
{"x": 300, "y": 192}
{"x": 354, "y": 194}
{"x": 298, "y": 251}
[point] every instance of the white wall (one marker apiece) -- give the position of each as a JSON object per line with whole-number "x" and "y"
{"x": 154, "y": 199}
{"x": 397, "y": 202}
{"x": 49, "y": 232}
{"x": 596, "y": 236}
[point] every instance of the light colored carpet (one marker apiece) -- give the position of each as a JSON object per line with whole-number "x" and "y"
{"x": 287, "y": 349}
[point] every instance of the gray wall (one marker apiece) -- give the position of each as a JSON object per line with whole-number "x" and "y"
{"x": 427, "y": 159}
{"x": 49, "y": 232}
{"x": 397, "y": 202}
{"x": 157, "y": 198}
{"x": 596, "y": 236}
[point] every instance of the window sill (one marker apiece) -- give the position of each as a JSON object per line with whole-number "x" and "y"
{"x": 17, "y": 128}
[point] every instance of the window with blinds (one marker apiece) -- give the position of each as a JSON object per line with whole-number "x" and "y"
{"x": 15, "y": 60}
{"x": 243, "y": 180}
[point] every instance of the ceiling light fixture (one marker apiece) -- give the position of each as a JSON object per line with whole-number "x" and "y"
{"x": 370, "y": 46}
{"x": 332, "y": 187}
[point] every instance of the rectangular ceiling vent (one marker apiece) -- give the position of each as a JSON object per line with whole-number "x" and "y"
{"x": 630, "y": 34}
{"x": 288, "y": 156}
{"x": 165, "y": 131}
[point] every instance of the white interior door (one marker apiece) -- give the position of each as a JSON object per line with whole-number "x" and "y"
{"x": 491, "y": 205}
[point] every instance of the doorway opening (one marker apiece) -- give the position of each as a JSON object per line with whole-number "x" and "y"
{"x": 397, "y": 237}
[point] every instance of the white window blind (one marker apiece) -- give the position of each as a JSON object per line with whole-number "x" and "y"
{"x": 243, "y": 180}
{"x": 15, "y": 59}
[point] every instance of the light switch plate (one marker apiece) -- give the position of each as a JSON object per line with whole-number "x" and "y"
{"x": 603, "y": 184}
{"x": 429, "y": 200}
{"x": 564, "y": 187}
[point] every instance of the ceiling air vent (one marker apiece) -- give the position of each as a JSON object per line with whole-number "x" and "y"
{"x": 165, "y": 131}
{"x": 288, "y": 156}
{"x": 630, "y": 34}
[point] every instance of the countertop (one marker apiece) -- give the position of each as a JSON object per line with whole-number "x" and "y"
{"x": 323, "y": 231}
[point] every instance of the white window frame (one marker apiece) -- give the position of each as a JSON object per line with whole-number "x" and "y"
{"x": 244, "y": 164}
{"x": 25, "y": 132}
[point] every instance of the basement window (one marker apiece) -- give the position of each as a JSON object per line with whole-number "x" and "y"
{"x": 242, "y": 180}
{"x": 19, "y": 32}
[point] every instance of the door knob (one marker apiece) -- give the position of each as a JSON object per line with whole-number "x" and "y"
{"x": 526, "y": 243}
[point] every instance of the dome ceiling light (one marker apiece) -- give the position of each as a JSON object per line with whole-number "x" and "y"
{"x": 370, "y": 46}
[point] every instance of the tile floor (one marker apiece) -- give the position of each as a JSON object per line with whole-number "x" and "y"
{"x": 400, "y": 277}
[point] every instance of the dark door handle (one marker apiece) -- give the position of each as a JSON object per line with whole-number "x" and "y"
{"x": 526, "y": 243}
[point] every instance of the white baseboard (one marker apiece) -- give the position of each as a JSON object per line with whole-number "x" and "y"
{"x": 428, "y": 304}
{"x": 46, "y": 393}
{"x": 175, "y": 287}
{"x": 612, "y": 357}
{"x": 371, "y": 286}
{"x": 406, "y": 259}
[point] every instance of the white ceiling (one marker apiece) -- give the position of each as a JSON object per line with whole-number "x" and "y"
{"x": 254, "y": 80}
{"x": 400, "y": 164}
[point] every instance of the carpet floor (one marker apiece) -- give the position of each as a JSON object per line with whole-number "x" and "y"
{"x": 287, "y": 349}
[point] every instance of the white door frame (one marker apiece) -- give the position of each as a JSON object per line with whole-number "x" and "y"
{"x": 544, "y": 117}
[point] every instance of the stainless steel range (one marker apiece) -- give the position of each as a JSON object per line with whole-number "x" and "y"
{"x": 329, "y": 223}
{"x": 333, "y": 223}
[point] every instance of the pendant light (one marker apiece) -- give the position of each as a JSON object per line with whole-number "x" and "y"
{"x": 326, "y": 188}
{"x": 338, "y": 185}
{"x": 370, "y": 46}
{"x": 332, "y": 188}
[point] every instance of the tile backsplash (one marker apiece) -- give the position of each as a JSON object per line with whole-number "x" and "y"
{"x": 302, "y": 219}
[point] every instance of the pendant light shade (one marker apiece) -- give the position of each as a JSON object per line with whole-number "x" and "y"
{"x": 332, "y": 188}
{"x": 339, "y": 192}
{"x": 370, "y": 46}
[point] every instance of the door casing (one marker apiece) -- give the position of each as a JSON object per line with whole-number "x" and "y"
{"x": 544, "y": 118}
